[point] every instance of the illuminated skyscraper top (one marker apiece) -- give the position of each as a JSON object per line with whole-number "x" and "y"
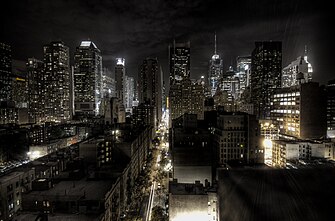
{"x": 297, "y": 72}
{"x": 215, "y": 70}
{"x": 179, "y": 62}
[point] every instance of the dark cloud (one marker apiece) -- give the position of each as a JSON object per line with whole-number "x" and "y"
{"x": 137, "y": 29}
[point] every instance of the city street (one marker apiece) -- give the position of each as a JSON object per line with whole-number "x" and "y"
{"x": 159, "y": 188}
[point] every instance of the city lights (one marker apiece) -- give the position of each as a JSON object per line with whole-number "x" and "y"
{"x": 215, "y": 116}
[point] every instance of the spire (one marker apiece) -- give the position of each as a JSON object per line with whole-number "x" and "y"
{"x": 305, "y": 53}
{"x": 215, "y": 43}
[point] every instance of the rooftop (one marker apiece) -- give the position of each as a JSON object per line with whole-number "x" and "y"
{"x": 89, "y": 189}
{"x": 58, "y": 217}
{"x": 87, "y": 44}
{"x": 186, "y": 188}
{"x": 276, "y": 194}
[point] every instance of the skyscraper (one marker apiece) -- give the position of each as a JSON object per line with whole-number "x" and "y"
{"x": 108, "y": 83}
{"x": 179, "y": 62}
{"x": 231, "y": 84}
{"x": 150, "y": 85}
{"x": 120, "y": 78}
{"x": 185, "y": 96}
{"x": 5, "y": 72}
{"x": 19, "y": 84}
{"x": 87, "y": 79}
{"x": 57, "y": 81}
{"x": 243, "y": 71}
{"x": 266, "y": 65}
{"x": 298, "y": 71}
{"x": 215, "y": 71}
{"x": 129, "y": 92}
{"x": 36, "y": 91}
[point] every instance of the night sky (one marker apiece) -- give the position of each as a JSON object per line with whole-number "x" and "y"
{"x": 138, "y": 29}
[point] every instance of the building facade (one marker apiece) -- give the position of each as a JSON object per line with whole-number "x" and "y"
{"x": 129, "y": 92}
{"x": 56, "y": 76}
{"x": 150, "y": 81}
{"x": 87, "y": 79}
{"x": 300, "y": 111}
{"x": 243, "y": 64}
{"x": 179, "y": 62}
{"x": 266, "y": 62}
{"x": 297, "y": 72}
{"x": 36, "y": 90}
{"x": 120, "y": 80}
{"x": 5, "y": 71}
{"x": 237, "y": 138}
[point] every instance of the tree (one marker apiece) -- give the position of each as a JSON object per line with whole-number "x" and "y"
{"x": 158, "y": 214}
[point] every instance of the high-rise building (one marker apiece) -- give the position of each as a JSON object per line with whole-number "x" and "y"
{"x": 243, "y": 71}
{"x": 129, "y": 92}
{"x": 197, "y": 100}
{"x": 215, "y": 71}
{"x": 231, "y": 84}
{"x": 300, "y": 111}
{"x": 87, "y": 79}
{"x": 179, "y": 62}
{"x": 266, "y": 65}
{"x": 36, "y": 90}
{"x": 150, "y": 86}
{"x": 19, "y": 84}
{"x": 108, "y": 83}
{"x": 297, "y": 72}
{"x": 5, "y": 72}
{"x": 144, "y": 114}
{"x": 120, "y": 80}
{"x": 330, "y": 89}
{"x": 185, "y": 96}
{"x": 57, "y": 81}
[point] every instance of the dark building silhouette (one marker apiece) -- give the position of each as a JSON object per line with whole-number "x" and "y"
{"x": 87, "y": 79}
{"x": 266, "y": 64}
{"x": 150, "y": 82}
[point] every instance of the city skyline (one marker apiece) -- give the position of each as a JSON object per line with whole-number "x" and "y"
{"x": 136, "y": 31}
{"x": 166, "y": 110}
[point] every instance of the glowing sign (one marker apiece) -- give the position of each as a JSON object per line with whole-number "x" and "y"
{"x": 20, "y": 79}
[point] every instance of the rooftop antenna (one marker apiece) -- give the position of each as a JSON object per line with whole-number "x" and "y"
{"x": 215, "y": 43}
{"x": 305, "y": 54}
